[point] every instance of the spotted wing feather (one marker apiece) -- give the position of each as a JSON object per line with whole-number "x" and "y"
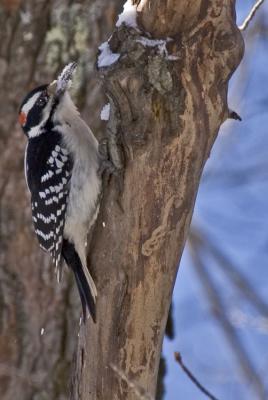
{"x": 48, "y": 179}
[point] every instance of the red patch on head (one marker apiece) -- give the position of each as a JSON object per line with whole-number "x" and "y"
{"x": 22, "y": 118}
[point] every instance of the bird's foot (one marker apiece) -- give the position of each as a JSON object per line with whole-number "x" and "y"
{"x": 106, "y": 165}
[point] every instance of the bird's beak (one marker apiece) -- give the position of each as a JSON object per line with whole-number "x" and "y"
{"x": 52, "y": 88}
{"x": 64, "y": 81}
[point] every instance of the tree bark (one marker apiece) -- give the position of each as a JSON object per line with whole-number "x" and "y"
{"x": 167, "y": 107}
{"x": 36, "y": 39}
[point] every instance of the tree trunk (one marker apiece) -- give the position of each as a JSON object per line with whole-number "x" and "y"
{"x": 38, "y": 317}
{"x": 168, "y": 101}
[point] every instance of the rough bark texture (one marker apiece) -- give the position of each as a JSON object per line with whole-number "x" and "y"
{"x": 167, "y": 107}
{"x": 163, "y": 18}
{"x": 36, "y": 39}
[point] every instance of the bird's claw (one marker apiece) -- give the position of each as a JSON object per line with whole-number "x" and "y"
{"x": 106, "y": 165}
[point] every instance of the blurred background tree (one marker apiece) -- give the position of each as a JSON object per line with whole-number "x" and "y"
{"x": 39, "y": 319}
{"x": 220, "y": 305}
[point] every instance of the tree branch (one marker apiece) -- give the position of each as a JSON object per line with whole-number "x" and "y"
{"x": 178, "y": 358}
{"x": 251, "y": 14}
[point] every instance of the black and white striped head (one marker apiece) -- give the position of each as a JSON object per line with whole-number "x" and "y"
{"x": 34, "y": 110}
{"x": 39, "y": 106}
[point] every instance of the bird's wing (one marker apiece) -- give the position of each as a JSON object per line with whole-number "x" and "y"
{"x": 48, "y": 172}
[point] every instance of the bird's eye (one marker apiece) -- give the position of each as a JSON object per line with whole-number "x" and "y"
{"x": 42, "y": 101}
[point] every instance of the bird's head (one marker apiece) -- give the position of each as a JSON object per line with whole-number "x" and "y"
{"x": 40, "y": 105}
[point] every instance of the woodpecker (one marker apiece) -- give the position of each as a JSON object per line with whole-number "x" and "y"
{"x": 62, "y": 173}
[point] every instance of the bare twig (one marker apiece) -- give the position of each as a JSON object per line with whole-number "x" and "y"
{"x": 251, "y": 14}
{"x": 178, "y": 358}
{"x": 139, "y": 391}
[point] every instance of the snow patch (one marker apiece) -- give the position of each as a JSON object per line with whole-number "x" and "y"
{"x": 160, "y": 43}
{"x": 105, "y": 112}
{"x": 128, "y": 16}
{"x": 106, "y": 57}
{"x": 151, "y": 42}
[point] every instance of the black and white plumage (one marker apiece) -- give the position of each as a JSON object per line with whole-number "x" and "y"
{"x": 61, "y": 169}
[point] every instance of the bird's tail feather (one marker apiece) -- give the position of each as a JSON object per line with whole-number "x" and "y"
{"x": 84, "y": 281}
{"x": 82, "y": 297}
{"x": 90, "y": 281}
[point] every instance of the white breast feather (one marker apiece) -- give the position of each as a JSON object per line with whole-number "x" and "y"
{"x": 85, "y": 183}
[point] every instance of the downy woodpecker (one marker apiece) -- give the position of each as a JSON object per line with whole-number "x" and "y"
{"x": 61, "y": 170}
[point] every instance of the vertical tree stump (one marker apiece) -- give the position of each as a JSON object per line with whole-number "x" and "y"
{"x": 169, "y": 99}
